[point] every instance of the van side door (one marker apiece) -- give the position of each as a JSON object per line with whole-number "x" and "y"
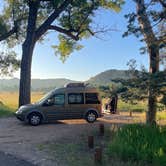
{"x": 54, "y": 107}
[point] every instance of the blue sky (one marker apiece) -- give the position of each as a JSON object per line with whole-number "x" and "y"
{"x": 98, "y": 55}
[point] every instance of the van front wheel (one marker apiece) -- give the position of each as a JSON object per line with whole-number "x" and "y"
{"x": 34, "y": 119}
{"x": 91, "y": 116}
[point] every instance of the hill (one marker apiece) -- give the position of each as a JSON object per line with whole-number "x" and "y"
{"x": 103, "y": 78}
{"x": 37, "y": 84}
{"x": 106, "y": 77}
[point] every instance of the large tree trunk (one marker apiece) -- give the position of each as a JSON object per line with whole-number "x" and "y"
{"x": 153, "y": 51}
{"x": 27, "y": 52}
{"x": 152, "y": 100}
{"x": 25, "y": 74}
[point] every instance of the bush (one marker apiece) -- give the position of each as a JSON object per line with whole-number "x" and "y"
{"x": 140, "y": 143}
{"x": 138, "y": 110}
{"x": 5, "y": 111}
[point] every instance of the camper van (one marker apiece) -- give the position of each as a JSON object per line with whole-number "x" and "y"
{"x": 74, "y": 101}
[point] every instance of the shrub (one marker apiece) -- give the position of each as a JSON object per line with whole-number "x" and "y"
{"x": 138, "y": 110}
{"x": 5, "y": 111}
{"x": 140, "y": 143}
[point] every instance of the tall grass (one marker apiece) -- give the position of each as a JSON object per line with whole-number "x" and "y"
{"x": 140, "y": 143}
{"x": 5, "y": 111}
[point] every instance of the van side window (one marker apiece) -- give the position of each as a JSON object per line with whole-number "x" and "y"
{"x": 92, "y": 98}
{"x": 75, "y": 98}
{"x": 59, "y": 99}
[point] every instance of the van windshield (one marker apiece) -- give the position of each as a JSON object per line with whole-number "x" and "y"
{"x": 44, "y": 97}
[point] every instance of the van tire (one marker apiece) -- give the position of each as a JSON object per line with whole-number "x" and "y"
{"x": 34, "y": 119}
{"x": 91, "y": 116}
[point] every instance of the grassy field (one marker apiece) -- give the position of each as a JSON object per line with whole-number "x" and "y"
{"x": 10, "y": 99}
{"x": 9, "y": 104}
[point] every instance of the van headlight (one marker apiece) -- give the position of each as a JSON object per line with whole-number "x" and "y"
{"x": 19, "y": 111}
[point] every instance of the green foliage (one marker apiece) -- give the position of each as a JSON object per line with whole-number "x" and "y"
{"x": 138, "y": 110}
{"x": 153, "y": 30}
{"x": 74, "y": 21}
{"x": 155, "y": 13}
{"x": 3, "y": 28}
{"x": 8, "y": 63}
{"x": 163, "y": 100}
{"x": 66, "y": 47}
{"x": 140, "y": 82}
{"x": 138, "y": 107}
{"x": 5, "y": 111}
{"x": 140, "y": 143}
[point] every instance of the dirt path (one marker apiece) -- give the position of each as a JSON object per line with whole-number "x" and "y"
{"x": 9, "y": 160}
{"x": 21, "y": 140}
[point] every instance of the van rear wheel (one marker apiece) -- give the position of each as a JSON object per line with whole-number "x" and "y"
{"x": 34, "y": 119}
{"x": 91, "y": 116}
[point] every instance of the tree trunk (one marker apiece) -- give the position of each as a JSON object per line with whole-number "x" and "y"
{"x": 152, "y": 100}
{"x": 25, "y": 74}
{"x": 27, "y": 52}
{"x": 153, "y": 50}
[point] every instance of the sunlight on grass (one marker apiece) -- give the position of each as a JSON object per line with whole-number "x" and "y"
{"x": 161, "y": 115}
{"x": 11, "y": 98}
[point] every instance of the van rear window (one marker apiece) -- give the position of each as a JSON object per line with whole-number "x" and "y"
{"x": 91, "y": 98}
{"x": 75, "y": 98}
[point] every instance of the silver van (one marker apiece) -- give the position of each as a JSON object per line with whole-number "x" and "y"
{"x": 74, "y": 101}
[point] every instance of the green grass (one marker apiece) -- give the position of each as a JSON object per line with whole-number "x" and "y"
{"x": 139, "y": 107}
{"x": 76, "y": 152}
{"x": 140, "y": 143}
{"x": 161, "y": 115}
{"x": 5, "y": 111}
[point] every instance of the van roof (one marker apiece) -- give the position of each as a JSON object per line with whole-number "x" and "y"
{"x": 75, "y": 89}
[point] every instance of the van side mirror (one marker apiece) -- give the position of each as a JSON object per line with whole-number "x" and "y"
{"x": 49, "y": 102}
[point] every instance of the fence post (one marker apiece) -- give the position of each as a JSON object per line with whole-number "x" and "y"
{"x": 101, "y": 129}
{"x": 98, "y": 155}
{"x": 90, "y": 141}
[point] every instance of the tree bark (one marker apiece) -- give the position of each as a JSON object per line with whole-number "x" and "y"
{"x": 152, "y": 44}
{"x": 152, "y": 100}
{"x": 27, "y": 52}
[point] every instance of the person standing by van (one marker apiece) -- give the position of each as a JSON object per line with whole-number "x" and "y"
{"x": 112, "y": 104}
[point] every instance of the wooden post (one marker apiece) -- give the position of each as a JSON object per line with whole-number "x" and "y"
{"x": 98, "y": 155}
{"x": 130, "y": 113}
{"x": 101, "y": 129}
{"x": 90, "y": 141}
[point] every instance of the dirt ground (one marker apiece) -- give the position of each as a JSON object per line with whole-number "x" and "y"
{"x": 22, "y": 140}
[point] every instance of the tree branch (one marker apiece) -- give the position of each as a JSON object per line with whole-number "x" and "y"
{"x": 44, "y": 27}
{"x": 64, "y": 31}
{"x": 162, "y": 3}
{"x": 8, "y": 34}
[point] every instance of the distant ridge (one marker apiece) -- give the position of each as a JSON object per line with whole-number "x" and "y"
{"x": 37, "y": 84}
{"x": 107, "y": 76}
{"x": 102, "y": 78}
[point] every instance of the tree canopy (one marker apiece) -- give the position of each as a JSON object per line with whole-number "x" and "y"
{"x": 27, "y": 22}
{"x": 71, "y": 18}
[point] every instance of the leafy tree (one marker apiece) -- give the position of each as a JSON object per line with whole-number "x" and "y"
{"x": 137, "y": 87}
{"x": 27, "y": 22}
{"x": 8, "y": 63}
{"x": 146, "y": 23}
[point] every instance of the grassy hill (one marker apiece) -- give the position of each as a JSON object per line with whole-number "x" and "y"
{"x": 10, "y": 85}
{"x": 106, "y": 77}
{"x": 103, "y": 78}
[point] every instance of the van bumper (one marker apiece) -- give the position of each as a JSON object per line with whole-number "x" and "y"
{"x": 19, "y": 116}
